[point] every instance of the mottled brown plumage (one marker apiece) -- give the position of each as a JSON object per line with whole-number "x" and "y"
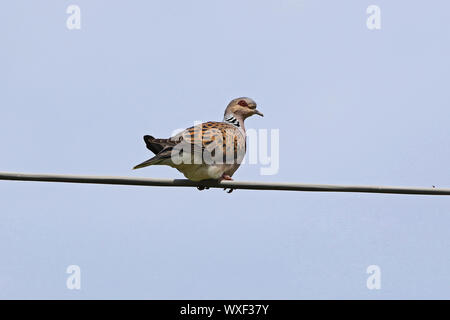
{"x": 211, "y": 150}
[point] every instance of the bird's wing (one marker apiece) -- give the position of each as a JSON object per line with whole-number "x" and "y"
{"x": 202, "y": 143}
{"x": 210, "y": 136}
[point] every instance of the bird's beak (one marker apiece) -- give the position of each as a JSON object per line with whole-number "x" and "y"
{"x": 258, "y": 113}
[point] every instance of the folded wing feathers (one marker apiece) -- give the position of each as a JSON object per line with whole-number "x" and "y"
{"x": 209, "y": 135}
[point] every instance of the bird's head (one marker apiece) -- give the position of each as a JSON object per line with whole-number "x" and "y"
{"x": 242, "y": 107}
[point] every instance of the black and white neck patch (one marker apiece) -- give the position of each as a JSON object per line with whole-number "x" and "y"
{"x": 232, "y": 120}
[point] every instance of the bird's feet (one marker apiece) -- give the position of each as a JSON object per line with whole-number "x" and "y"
{"x": 227, "y": 177}
{"x": 223, "y": 177}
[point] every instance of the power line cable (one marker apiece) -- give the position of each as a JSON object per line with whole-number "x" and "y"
{"x": 249, "y": 185}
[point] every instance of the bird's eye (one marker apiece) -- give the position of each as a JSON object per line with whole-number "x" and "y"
{"x": 243, "y": 103}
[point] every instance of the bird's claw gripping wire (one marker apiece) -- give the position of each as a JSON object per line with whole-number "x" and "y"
{"x": 201, "y": 188}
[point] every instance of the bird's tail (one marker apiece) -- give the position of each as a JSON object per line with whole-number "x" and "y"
{"x": 161, "y": 147}
{"x": 150, "y": 162}
{"x": 157, "y": 145}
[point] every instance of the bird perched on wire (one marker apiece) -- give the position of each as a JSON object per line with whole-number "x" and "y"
{"x": 208, "y": 151}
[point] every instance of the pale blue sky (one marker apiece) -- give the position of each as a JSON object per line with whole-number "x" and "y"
{"x": 353, "y": 106}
